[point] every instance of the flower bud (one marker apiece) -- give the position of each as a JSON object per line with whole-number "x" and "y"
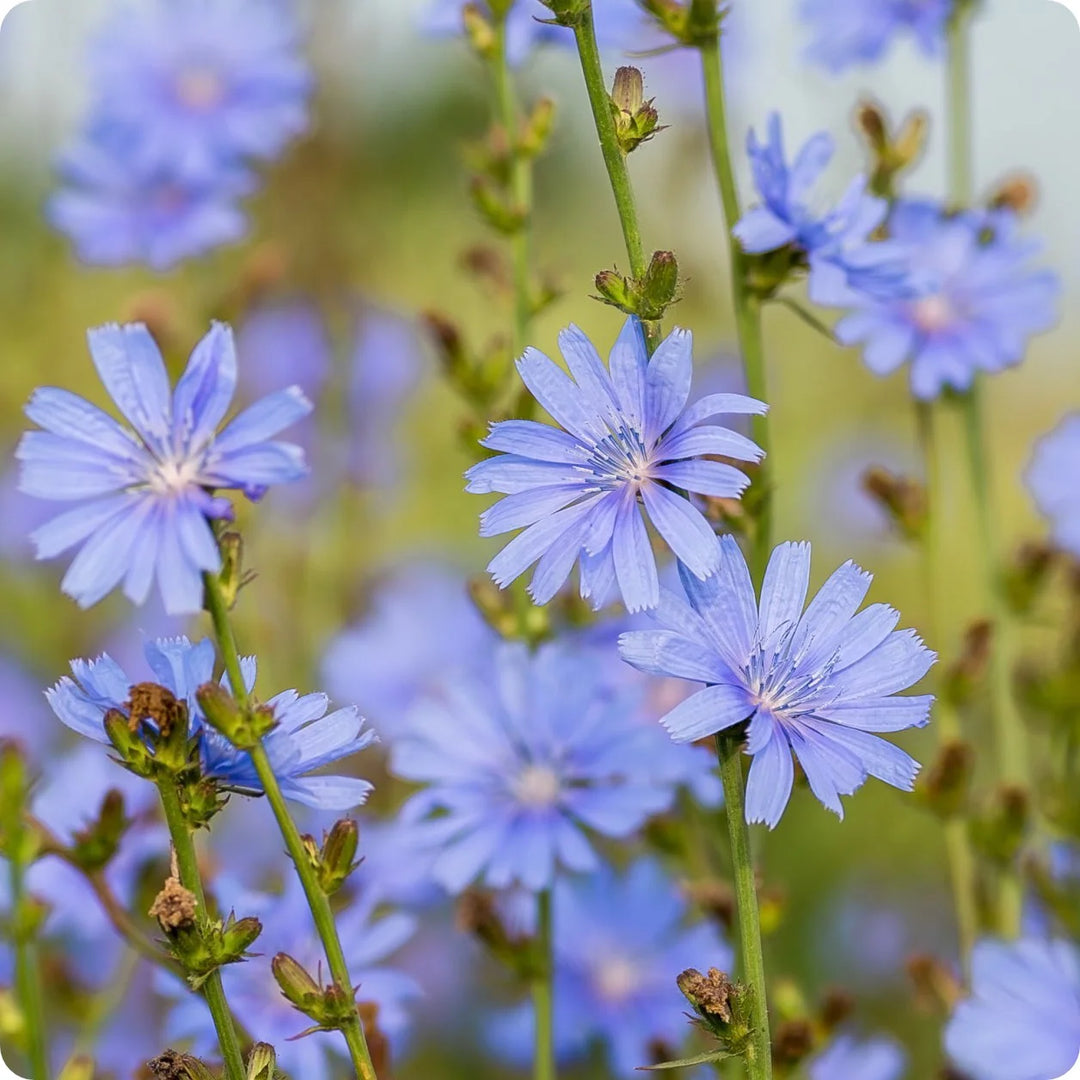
{"x": 17, "y": 842}
{"x": 335, "y": 861}
{"x": 79, "y": 1067}
{"x": 661, "y": 284}
{"x": 96, "y": 843}
{"x": 538, "y": 127}
{"x": 902, "y": 499}
{"x": 262, "y": 1062}
{"x": 636, "y": 120}
{"x": 722, "y": 1006}
{"x": 567, "y": 12}
{"x": 172, "y": 1065}
{"x": 1019, "y": 193}
{"x": 964, "y": 676}
{"x": 243, "y": 725}
{"x": 479, "y": 31}
{"x": 1000, "y": 832}
{"x": 945, "y": 787}
{"x": 299, "y": 988}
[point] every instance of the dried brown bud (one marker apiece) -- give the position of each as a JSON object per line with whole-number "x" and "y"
{"x": 709, "y": 994}
{"x": 872, "y": 123}
{"x": 936, "y": 987}
{"x": 836, "y": 1007}
{"x": 793, "y": 1041}
{"x": 149, "y": 701}
{"x": 174, "y": 907}
{"x": 1019, "y": 193}
{"x": 903, "y": 499}
{"x": 945, "y": 786}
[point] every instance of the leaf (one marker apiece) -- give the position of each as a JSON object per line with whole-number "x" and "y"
{"x": 685, "y": 1063}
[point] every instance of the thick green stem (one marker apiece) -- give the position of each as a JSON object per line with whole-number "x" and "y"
{"x": 521, "y": 185}
{"x": 958, "y": 850}
{"x": 614, "y": 158}
{"x": 187, "y": 867}
{"x": 318, "y": 902}
{"x": 28, "y": 980}
{"x": 1010, "y": 743}
{"x": 543, "y": 993}
{"x": 729, "y": 752}
{"x": 747, "y": 307}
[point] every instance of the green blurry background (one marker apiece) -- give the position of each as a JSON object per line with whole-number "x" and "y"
{"x": 373, "y": 204}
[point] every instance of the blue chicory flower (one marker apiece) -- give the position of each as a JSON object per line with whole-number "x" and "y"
{"x": 619, "y": 942}
{"x": 119, "y": 210}
{"x": 145, "y": 496}
{"x": 842, "y": 258}
{"x": 370, "y": 939}
{"x": 518, "y": 765}
{"x": 202, "y": 84}
{"x": 849, "y": 32}
{"x": 1022, "y": 1020}
{"x": 1051, "y": 479}
{"x": 875, "y": 1059}
{"x": 628, "y": 437}
{"x": 304, "y": 739}
{"x": 974, "y": 302}
{"x": 819, "y": 683}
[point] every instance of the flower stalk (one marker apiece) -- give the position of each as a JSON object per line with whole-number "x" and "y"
{"x": 543, "y": 992}
{"x": 747, "y": 306}
{"x": 187, "y": 868}
{"x": 321, "y": 911}
{"x": 759, "y": 1052}
{"x": 28, "y": 978}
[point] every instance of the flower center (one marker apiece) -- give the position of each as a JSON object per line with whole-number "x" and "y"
{"x": 932, "y": 314}
{"x": 172, "y": 477}
{"x": 621, "y": 458}
{"x": 616, "y": 979}
{"x": 537, "y": 786}
{"x": 200, "y": 88}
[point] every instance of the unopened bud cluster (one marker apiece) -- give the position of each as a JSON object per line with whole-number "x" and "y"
{"x": 647, "y": 297}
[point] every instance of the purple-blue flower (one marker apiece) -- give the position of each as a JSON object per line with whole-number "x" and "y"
{"x": 1022, "y": 1020}
{"x": 974, "y": 304}
{"x": 819, "y": 684}
{"x": 519, "y": 765}
{"x": 146, "y": 496}
{"x": 202, "y": 84}
{"x": 370, "y": 940}
{"x": 117, "y": 209}
{"x": 628, "y": 449}
{"x": 847, "y": 1059}
{"x": 1051, "y": 479}
{"x": 848, "y": 32}
{"x": 620, "y": 941}
{"x": 836, "y": 243}
{"x": 619, "y": 25}
{"x": 304, "y": 739}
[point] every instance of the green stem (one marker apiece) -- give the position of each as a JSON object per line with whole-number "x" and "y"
{"x": 28, "y": 979}
{"x": 1010, "y": 744}
{"x": 521, "y": 185}
{"x": 958, "y": 850}
{"x": 318, "y": 902}
{"x": 729, "y": 752}
{"x": 614, "y": 158}
{"x": 747, "y": 307}
{"x": 188, "y": 869}
{"x": 543, "y": 993}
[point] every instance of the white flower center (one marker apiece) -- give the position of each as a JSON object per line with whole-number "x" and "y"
{"x": 1073, "y": 1073}
{"x": 537, "y": 786}
{"x": 932, "y": 314}
{"x": 200, "y": 88}
{"x": 172, "y": 477}
{"x": 616, "y": 979}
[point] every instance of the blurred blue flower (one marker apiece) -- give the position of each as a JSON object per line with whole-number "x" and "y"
{"x": 1051, "y": 479}
{"x": 118, "y": 210}
{"x": 420, "y": 627}
{"x": 1022, "y": 1020}
{"x": 849, "y": 32}
{"x": 819, "y": 684}
{"x": 518, "y": 765}
{"x": 843, "y": 260}
{"x": 145, "y": 496}
{"x": 974, "y": 303}
{"x": 875, "y": 1059}
{"x": 619, "y": 943}
{"x": 284, "y": 344}
{"x": 23, "y": 718}
{"x": 304, "y": 739}
{"x": 628, "y": 436}
{"x": 369, "y": 941}
{"x": 202, "y": 84}
{"x": 528, "y": 25}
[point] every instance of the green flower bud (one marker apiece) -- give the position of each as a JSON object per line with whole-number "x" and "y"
{"x": 636, "y": 120}
{"x": 262, "y": 1063}
{"x": 95, "y": 845}
{"x": 79, "y": 1067}
{"x": 337, "y": 860}
{"x": 243, "y": 725}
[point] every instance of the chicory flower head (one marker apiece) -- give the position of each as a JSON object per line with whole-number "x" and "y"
{"x": 849, "y": 32}
{"x": 974, "y": 302}
{"x": 145, "y": 494}
{"x": 1022, "y": 1020}
{"x": 875, "y": 1059}
{"x": 520, "y": 764}
{"x": 819, "y": 683}
{"x": 629, "y": 448}
{"x": 836, "y": 244}
{"x": 203, "y": 84}
{"x": 619, "y": 942}
{"x": 304, "y": 739}
{"x": 1051, "y": 479}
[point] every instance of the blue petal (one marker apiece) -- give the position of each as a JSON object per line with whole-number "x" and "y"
{"x": 783, "y": 591}
{"x": 66, "y": 414}
{"x": 635, "y": 565}
{"x": 772, "y": 774}
{"x": 560, "y": 396}
{"x": 830, "y": 611}
{"x": 715, "y": 405}
{"x": 526, "y": 507}
{"x": 713, "y": 709}
{"x": 727, "y": 604}
{"x": 712, "y": 478}
{"x": 880, "y": 714}
{"x": 698, "y": 441}
{"x": 206, "y": 388}
{"x": 628, "y": 361}
{"x": 529, "y": 439}
{"x": 760, "y": 230}
{"x": 589, "y": 372}
{"x": 901, "y": 661}
{"x": 73, "y": 526}
{"x": 667, "y": 383}
{"x": 684, "y": 528}
{"x": 527, "y": 547}
{"x": 263, "y": 421}
{"x": 660, "y": 652}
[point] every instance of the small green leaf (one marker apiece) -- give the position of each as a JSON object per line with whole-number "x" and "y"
{"x": 685, "y": 1063}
